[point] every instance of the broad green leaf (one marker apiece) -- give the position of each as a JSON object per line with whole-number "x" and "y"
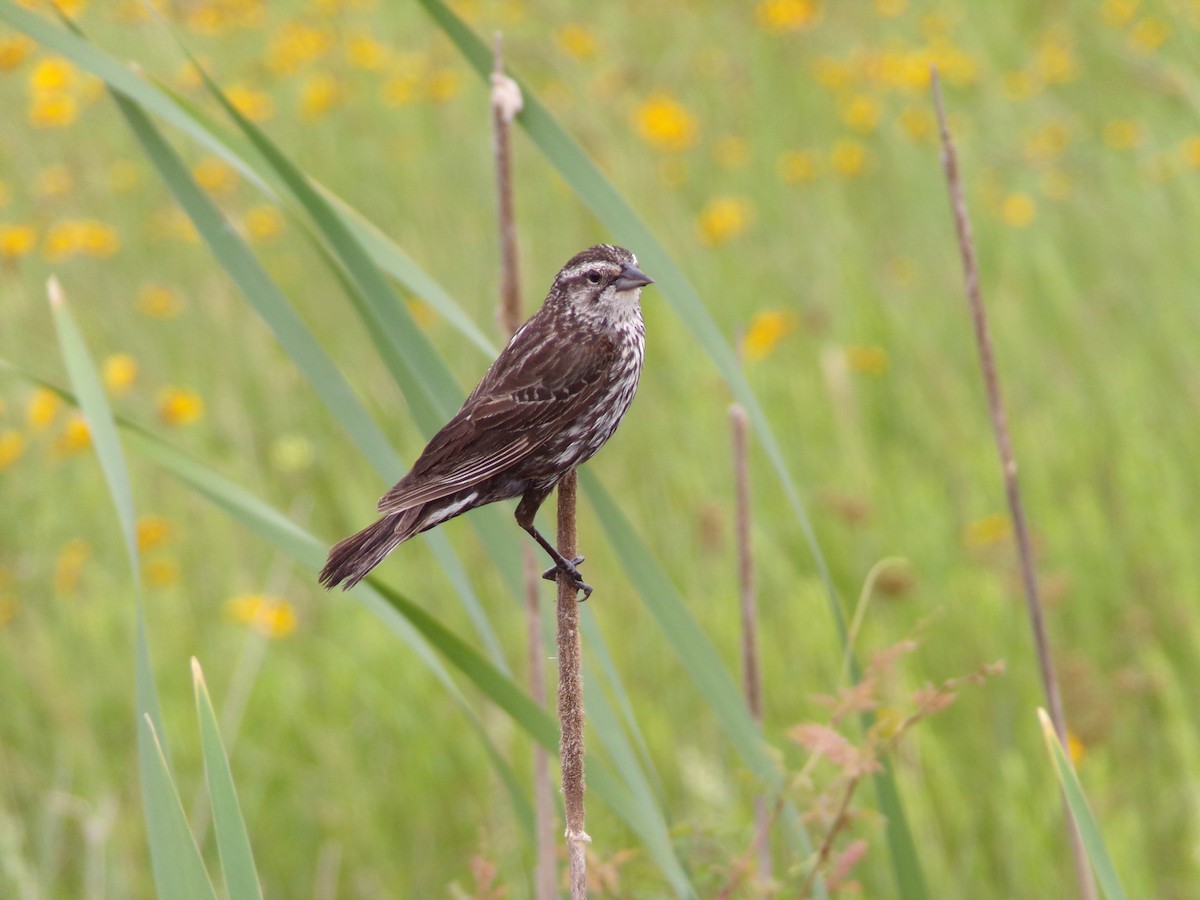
{"x": 1081, "y": 811}
{"x": 233, "y": 843}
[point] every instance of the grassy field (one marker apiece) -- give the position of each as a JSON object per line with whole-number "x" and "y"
{"x": 785, "y": 155}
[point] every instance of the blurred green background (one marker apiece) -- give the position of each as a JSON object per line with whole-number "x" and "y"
{"x": 785, "y": 154}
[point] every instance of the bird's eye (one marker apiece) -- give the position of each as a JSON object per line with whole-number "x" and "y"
{"x": 593, "y": 277}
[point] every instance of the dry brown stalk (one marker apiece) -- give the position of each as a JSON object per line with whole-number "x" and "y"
{"x": 749, "y": 611}
{"x": 570, "y": 695}
{"x": 506, "y": 102}
{"x": 1008, "y": 463}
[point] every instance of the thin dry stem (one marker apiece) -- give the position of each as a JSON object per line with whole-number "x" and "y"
{"x": 506, "y": 102}
{"x": 1008, "y": 463}
{"x": 570, "y": 696}
{"x": 510, "y": 320}
{"x": 751, "y": 681}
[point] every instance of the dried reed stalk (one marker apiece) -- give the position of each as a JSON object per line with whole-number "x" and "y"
{"x": 1008, "y": 464}
{"x": 506, "y": 103}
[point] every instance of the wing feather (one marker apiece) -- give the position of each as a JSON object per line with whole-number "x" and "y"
{"x": 532, "y": 391}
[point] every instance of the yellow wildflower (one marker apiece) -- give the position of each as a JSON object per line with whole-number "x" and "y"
{"x": 1018, "y": 209}
{"x": 849, "y": 158}
{"x": 1189, "y": 150}
{"x": 52, "y": 75}
{"x": 75, "y": 436}
{"x": 123, "y": 176}
{"x": 1123, "y": 134}
{"x": 256, "y": 106}
{"x": 53, "y": 111}
{"x": 9, "y": 606}
{"x": 271, "y": 616}
{"x": 861, "y": 113}
{"x": 153, "y": 532}
{"x": 1048, "y": 142}
{"x": 180, "y": 406}
{"x": 832, "y": 73}
{"x": 120, "y": 372}
{"x": 321, "y": 93}
{"x": 161, "y": 573}
{"x": 17, "y": 241}
{"x": 797, "y": 166}
{"x": 1117, "y": 13}
{"x": 766, "y": 330}
{"x": 665, "y": 124}
{"x": 42, "y": 409}
{"x": 444, "y": 85}
{"x": 295, "y": 45}
{"x": 1020, "y": 84}
{"x": 14, "y": 51}
{"x": 66, "y": 238}
{"x": 364, "y": 52}
{"x": 400, "y": 89}
{"x": 263, "y": 222}
{"x": 1075, "y": 748}
{"x": 1149, "y": 34}
{"x": 723, "y": 219}
{"x": 732, "y": 152}
{"x": 867, "y": 360}
{"x": 155, "y": 301}
{"x": 1056, "y": 62}
{"x": 69, "y": 567}
{"x": 577, "y": 40}
{"x": 917, "y": 122}
{"x": 989, "y": 530}
{"x": 215, "y": 175}
{"x": 12, "y": 447}
{"x": 788, "y": 15}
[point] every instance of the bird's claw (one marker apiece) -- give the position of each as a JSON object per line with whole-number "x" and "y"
{"x": 551, "y": 574}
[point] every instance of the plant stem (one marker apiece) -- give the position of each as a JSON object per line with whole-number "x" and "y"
{"x": 505, "y": 103}
{"x": 570, "y": 696}
{"x": 749, "y": 610}
{"x": 1008, "y": 463}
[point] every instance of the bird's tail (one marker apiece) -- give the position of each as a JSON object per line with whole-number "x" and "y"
{"x": 351, "y": 559}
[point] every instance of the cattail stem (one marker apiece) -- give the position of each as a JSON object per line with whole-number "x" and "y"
{"x": 749, "y": 610}
{"x": 570, "y": 696}
{"x": 1008, "y": 463}
{"x": 505, "y": 103}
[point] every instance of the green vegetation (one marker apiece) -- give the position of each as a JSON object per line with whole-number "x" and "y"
{"x": 784, "y": 155}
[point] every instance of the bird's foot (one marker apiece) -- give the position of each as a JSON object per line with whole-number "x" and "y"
{"x": 569, "y": 569}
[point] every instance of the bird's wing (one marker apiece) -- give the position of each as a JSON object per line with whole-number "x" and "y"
{"x": 525, "y": 398}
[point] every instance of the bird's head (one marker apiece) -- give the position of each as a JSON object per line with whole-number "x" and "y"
{"x": 602, "y": 283}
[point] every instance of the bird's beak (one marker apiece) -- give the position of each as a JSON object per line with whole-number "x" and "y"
{"x": 632, "y": 277}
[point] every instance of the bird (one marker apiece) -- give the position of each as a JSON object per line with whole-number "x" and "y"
{"x": 553, "y": 397}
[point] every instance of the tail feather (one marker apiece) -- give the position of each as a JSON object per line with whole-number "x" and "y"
{"x": 351, "y": 559}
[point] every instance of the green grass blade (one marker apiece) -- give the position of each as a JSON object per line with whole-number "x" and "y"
{"x": 233, "y": 843}
{"x": 178, "y": 870}
{"x": 1081, "y": 811}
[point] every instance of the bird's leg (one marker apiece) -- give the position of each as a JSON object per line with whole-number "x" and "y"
{"x": 526, "y": 511}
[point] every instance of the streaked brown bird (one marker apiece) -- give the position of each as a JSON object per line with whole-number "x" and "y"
{"x": 551, "y": 399}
